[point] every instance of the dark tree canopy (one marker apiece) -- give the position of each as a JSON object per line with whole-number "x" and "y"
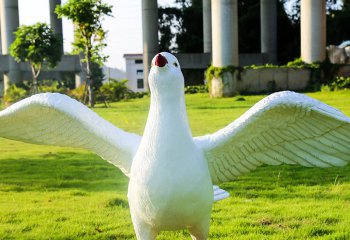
{"x": 338, "y": 27}
{"x": 181, "y": 26}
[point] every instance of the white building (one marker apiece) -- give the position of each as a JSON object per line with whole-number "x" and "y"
{"x": 134, "y": 72}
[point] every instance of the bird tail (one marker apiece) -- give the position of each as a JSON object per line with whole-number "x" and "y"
{"x": 219, "y": 194}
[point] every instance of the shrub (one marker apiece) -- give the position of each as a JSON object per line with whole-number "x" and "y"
{"x": 340, "y": 83}
{"x": 218, "y": 72}
{"x": 196, "y": 89}
{"x": 114, "y": 91}
{"x": 299, "y": 63}
{"x": 77, "y": 93}
{"x": 53, "y": 87}
{"x": 132, "y": 95}
{"x": 14, "y": 94}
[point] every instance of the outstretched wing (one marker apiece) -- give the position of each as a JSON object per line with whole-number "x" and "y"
{"x": 285, "y": 127}
{"x": 56, "y": 119}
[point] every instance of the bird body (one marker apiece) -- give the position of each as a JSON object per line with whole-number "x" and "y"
{"x": 171, "y": 173}
{"x": 170, "y": 185}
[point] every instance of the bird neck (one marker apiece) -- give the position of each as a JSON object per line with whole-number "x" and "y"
{"x": 167, "y": 117}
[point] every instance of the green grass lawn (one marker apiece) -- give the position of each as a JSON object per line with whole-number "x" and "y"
{"x": 63, "y": 193}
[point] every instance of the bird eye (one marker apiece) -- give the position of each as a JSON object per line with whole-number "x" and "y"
{"x": 176, "y": 65}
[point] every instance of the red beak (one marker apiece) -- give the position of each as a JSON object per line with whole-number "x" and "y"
{"x": 160, "y": 60}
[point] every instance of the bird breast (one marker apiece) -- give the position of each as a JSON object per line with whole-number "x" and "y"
{"x": 170, "y": 183}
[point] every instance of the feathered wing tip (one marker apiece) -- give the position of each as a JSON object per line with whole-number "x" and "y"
{"x": 56, "y": 119}
{"x": 283, "y": 128}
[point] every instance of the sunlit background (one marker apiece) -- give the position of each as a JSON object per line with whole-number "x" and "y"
{"x": 124, "y": 29}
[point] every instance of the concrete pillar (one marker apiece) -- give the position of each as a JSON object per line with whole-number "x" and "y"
{"x": 79, "y": 78}
{"x": 55, "y": 22}
{"x": 225, "y": 45}
{"x": 268, "y": 23}
{"x": 150, "y": 35}
{"x": 207, "y": 26}
{"x": 224, "y": 32}
{"x": 313, "y": 30}
{"x": 9, "y": 24}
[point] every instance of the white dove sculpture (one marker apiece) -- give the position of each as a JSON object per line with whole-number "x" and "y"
{"x": 171, "y": 173}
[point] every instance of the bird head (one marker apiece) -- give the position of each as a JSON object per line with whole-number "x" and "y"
{"x": 165, "y": 77}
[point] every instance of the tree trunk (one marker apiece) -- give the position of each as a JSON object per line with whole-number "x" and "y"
{"x": 35, "y": 80}
{"x": 35, "y": 85}
{"x": 89, "y": 80}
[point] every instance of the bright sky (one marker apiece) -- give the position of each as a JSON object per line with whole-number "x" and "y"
{"x": 124, "y": 29}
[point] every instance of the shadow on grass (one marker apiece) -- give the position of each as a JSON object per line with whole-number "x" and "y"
{"x": 221, "y": 107}
{"x": 67, "y": 170}
{"x": 284, "y": 182}
{"x": 88, "y": 172}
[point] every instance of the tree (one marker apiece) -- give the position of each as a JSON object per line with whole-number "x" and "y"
{"x": 181, "y": 27}
{"x": 87, "y": 16}
{"x": 294, "y": 8}
{"x": 36, "y": 44}
{"x": 337, "y": 29}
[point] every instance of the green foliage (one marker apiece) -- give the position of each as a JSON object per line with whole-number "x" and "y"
{"x": 218, "y": 72}
{"x": 87, "y": 17}
{"x": 196, "y": 89}
{"x": 60, "y": 193}
{"x": 299, "y": 63}
{"x": 181, "y": 27}
{"x": 97, "y": 75}
{"x": 268, "y": 65}
{"x": 14, "y": 94}
{"x": 77, "y": 93}
{"x": 36, "y": 44}
{"x": 337, "y": 32}
{"x": 53, "y": 87}
{"x": 340, "y": 83}
{"x": 132, "y": 95}
{"x": 296, "y": 63}
{"x": 114, "y": 91}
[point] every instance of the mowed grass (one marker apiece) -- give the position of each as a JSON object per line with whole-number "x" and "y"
{"x": 62, "y": 193}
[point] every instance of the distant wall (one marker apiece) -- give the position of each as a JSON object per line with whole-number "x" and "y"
{"x": 273, "y": 79}
{"x": 193, "y": 65}
{"x": 203, "y": 60}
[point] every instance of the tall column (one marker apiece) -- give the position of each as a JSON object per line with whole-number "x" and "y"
{"x": 313, "y": 30}
{"x": 224, "y": 32}
{"x": 225, "y": 45}
{"x": 9, "y": 24}
{"x": 207, "y": 26}
{"x": 150, "y": 35}
{"x": 268, "y": 23}
{"x": 55, "y": 22}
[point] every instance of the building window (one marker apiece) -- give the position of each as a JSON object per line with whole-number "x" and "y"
{"x": 138, "y": 61}
{"x": 139, "y": 83}
{"x": 139, "y": 72}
